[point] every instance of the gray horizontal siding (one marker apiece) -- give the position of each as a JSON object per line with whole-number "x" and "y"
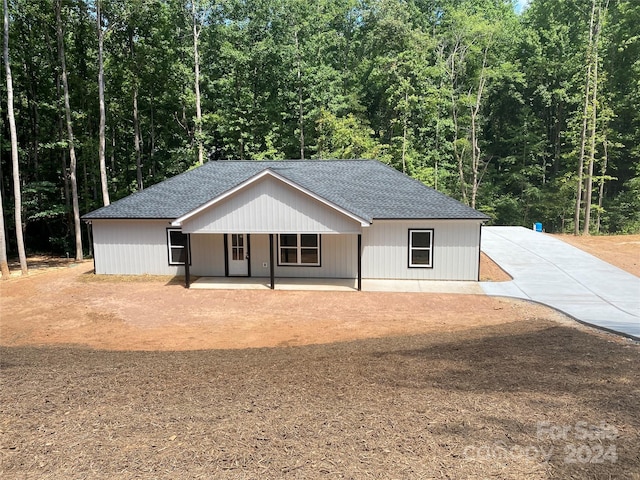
{"x": 270, "y": 206}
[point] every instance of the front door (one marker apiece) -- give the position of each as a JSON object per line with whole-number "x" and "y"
{"x": 238, "y": 254}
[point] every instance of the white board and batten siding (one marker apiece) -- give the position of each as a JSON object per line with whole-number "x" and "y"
{"x": 456, "y": 250}
{"x": 338, "y": 258}
{"x": 138, "y": 247}
{"x": 270, "y": 206}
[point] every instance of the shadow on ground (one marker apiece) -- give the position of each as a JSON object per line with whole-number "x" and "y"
{"x": 486, "y": 402}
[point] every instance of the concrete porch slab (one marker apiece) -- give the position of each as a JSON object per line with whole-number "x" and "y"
{"x": 337, "y": 284}
{"x": 256, "y": 283}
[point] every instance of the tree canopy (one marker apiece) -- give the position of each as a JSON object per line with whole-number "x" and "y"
{"x": 528, "y": 117}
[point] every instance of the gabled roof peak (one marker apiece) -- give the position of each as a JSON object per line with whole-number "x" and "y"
{"x": 270, "y": 172}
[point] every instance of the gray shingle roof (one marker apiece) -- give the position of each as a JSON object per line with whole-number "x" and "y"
{"x": 366, "y": 188}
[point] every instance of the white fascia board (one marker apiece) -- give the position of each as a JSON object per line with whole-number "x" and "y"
{"x": 178, "y": 222}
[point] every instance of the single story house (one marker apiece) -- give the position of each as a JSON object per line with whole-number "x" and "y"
{"x": 294, "y": 218}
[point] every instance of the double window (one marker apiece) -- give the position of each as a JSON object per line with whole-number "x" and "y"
{"x": 299, "y": 249}
{"x": 177, "y": 243}
{"x": 421, "y": 248}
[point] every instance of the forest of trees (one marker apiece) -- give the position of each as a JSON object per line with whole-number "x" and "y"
{"x": 528, "y": 117}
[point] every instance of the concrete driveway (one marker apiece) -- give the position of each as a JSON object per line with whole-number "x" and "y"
{"x": 552, "y": 272}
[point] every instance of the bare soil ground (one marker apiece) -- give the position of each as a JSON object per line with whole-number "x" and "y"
{"x": 136, "y": 377}
{"x": 622, "y": 251}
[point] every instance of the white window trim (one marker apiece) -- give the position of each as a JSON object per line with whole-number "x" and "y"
{"x": 299, "y": 248}
{"x": 412, "y": 248}
{"x": 170, "y": 247}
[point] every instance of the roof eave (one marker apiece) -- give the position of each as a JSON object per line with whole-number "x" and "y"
{"x": 479, "y": 219}
{"x": 88, "y": 218}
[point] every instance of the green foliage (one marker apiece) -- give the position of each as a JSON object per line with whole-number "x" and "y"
{"x": 387, "y": 79}
{"x": 349, "y": 137}
{"x": 622, "y": 213}
{"x": 39, "y": 201}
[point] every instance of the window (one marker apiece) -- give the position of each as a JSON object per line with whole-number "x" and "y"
{"x": 177, "y": 245}
{"x": 421, "y": 248}
{"x": 299, "y": 249}
{"x": 237, "y": 246}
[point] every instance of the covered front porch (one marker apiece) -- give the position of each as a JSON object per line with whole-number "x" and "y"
{"x": 270, "y": 228}
{"x": 290, "y": 283}
{"x": 256, "y": 261}
{"x": 338, "y": 285}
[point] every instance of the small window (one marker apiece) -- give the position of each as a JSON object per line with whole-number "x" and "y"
{"x": 299, "y": 249}
{"x": 237, "y": 246}
{"x": 421, "y": 248}
{"x": 177, "y": 245}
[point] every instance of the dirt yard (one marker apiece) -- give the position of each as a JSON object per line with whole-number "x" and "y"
{"x": 70, "y": 305}
{"x": 622, "y": 251}
{"x": 136, "y": 377}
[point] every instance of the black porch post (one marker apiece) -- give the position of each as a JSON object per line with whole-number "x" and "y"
{"x": 359, "y": 262}
{"x": 271, "y": 266}
{"x": 187, "y": 260}
{"x": 226, "y": 255}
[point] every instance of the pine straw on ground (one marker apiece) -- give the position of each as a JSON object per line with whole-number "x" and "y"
{"x": 466, "y": 404}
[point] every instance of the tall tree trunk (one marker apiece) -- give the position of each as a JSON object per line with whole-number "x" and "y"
{"x": 404, "y": 131}
{"x": 437, "y": 142}
{"x": 196, "y": 62}
{"x": 457, "y": 154}
{"x": 601, "y": 186}
{"x": 475, "y": 147}
{"x": 72, "y": 149}
{"x": 583, "y": 132}
{"x": 300, "y": 99}
{"x": 152, "y": 141}
{"x": 14, "y": 147}
{"x": 112, "y": 157}
{"x": 103, "y": 116}
{"x": 137, "y": 137}
{"x": 136, "y": 140}
{"x": 34, "y": 116}
{"x": 594, "y": 117}
{"x": 63, "y": 160}
{"x": 557, "y": 132}
{"x": 4, "y": 266}
{"x": 475, "y": 155}
{"x": 592, "y": 149}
